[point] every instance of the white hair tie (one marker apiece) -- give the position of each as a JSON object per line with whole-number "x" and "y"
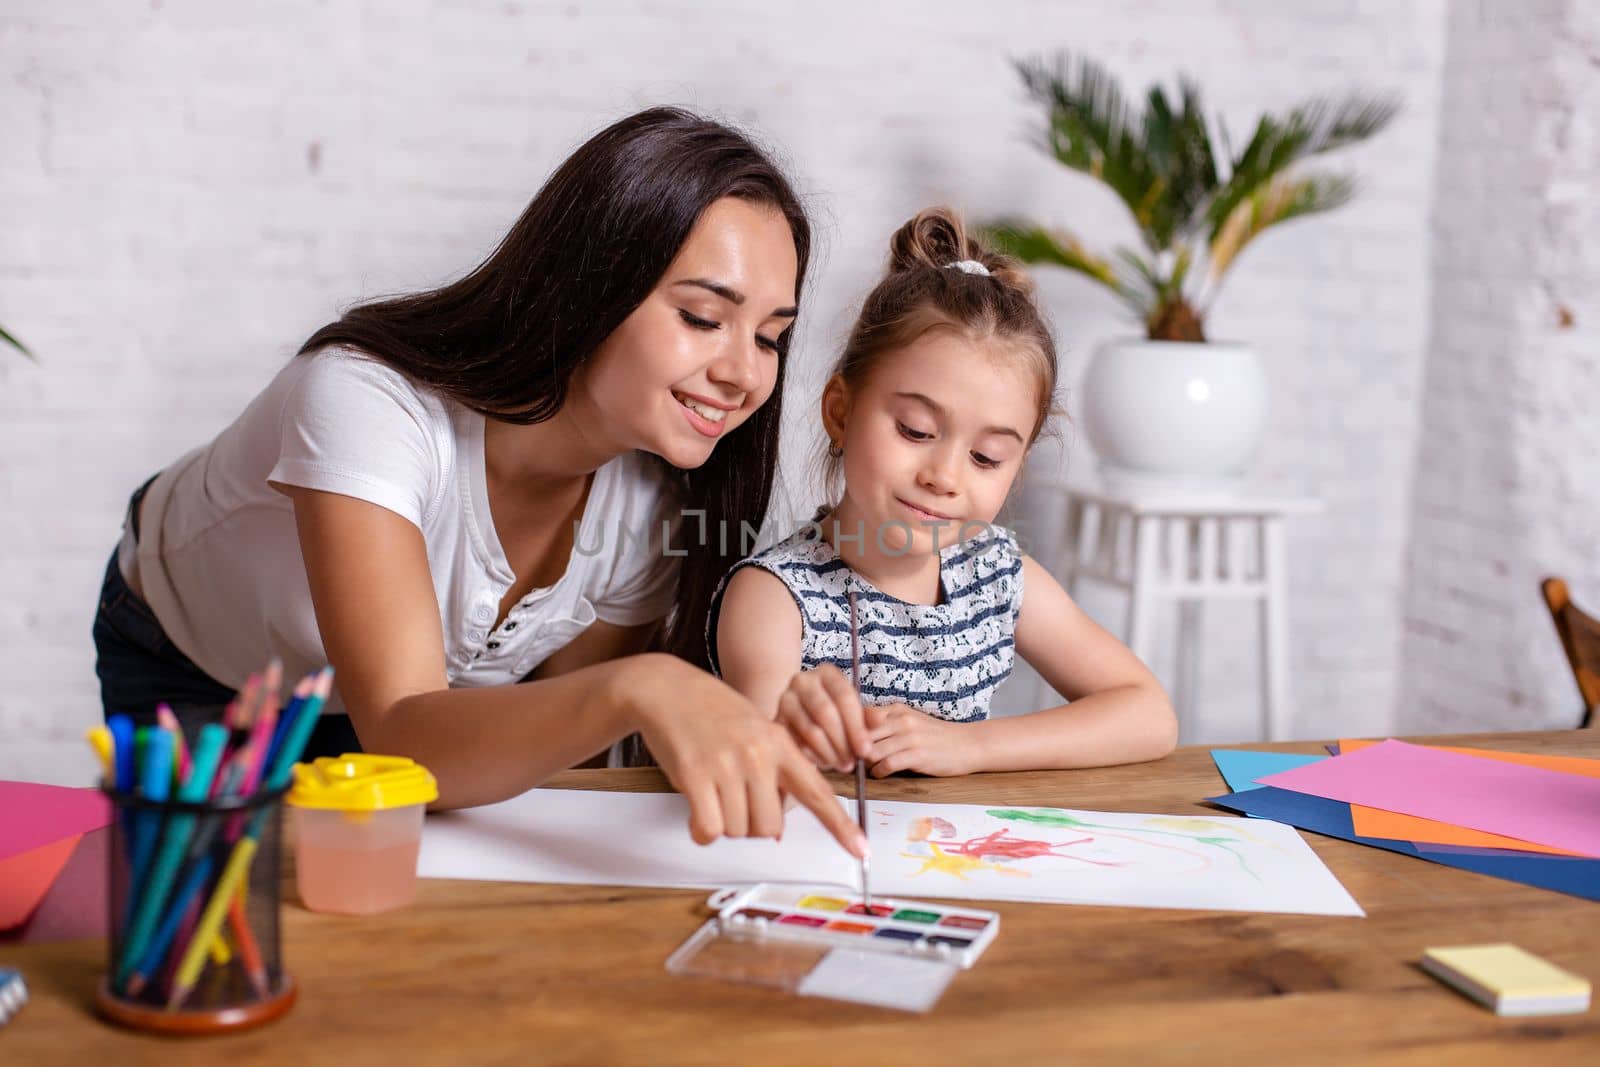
{"x": 969, "y": 266}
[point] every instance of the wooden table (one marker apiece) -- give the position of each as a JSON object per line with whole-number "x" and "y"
{"x": 474, "y": 974}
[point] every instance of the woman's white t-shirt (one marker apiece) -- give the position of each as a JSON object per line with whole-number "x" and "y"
{"x": 219, "y": 557}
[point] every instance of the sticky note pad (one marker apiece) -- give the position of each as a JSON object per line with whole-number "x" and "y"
{"x": 1508, "y": 979}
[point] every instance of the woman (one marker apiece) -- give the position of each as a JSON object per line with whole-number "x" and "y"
{"x": 451, "y": 491}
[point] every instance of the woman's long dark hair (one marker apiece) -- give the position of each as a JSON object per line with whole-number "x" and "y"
{"x": 505, "y": 339}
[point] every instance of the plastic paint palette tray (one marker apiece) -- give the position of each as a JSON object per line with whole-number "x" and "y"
{"x": 818, "y": 942}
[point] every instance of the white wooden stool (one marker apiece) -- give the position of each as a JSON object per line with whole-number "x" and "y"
{"x": 1168, "y": 545}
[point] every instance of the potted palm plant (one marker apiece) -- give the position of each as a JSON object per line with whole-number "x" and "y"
{"x": 1174, "y": 406}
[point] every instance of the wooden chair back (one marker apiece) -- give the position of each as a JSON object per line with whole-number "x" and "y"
{"x": 1580, "y": 638}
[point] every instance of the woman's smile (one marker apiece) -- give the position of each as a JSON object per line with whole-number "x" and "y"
{"x": 705, "y": 416}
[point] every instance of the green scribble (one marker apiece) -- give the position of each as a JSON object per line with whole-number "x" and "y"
{"x": 1046, "y": 818}
{"x": 1056, "y": 817}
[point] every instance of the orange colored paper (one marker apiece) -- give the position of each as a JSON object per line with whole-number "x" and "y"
{"x": 1375, "y": 822}
{"x": 26, "y": 877}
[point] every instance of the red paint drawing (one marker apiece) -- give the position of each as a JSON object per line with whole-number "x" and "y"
{"x": 998, "y": 846}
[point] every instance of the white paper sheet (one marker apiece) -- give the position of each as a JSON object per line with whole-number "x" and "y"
{"x": 581, "y": 837}
{"x": 950, "y": 851}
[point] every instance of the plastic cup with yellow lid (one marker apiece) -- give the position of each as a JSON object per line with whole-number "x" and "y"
{"x": 358, "y": 827}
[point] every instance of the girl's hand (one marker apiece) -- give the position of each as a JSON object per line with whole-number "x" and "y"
{"x": 905, "y": 739}
{"x": 822, "y": 713}
{"x": 733, "y": 764}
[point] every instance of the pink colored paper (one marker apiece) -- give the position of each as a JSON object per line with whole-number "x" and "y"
{"x": 26, "y": 877}
{"x": 34, "y": 815}
{"x": 75, "y": 906}
{"x": 1527, "y": 803}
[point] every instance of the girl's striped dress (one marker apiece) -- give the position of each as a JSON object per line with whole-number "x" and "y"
{"x": 946, "y": 659}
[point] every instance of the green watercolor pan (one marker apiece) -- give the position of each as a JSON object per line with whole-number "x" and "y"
{"x": 817, "y": 941}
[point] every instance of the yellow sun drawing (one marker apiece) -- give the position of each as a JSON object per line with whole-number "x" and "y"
{"x": 957, "y": 865}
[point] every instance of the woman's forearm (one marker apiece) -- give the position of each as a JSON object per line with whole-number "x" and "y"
{"x": 1129, "y": 724}
{"x": 485, "y": 745}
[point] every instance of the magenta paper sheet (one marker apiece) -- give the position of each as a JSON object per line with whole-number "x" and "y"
{"x": 32, "y": 815}
{"x": 1528, "y": 803}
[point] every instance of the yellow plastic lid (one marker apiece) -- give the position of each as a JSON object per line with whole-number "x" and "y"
{"x": 360, "y": 781}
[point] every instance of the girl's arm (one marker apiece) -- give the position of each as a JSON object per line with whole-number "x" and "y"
{"x": 1118, "y": 712}
{"x": 758, "y": 651}
{"x": 380, "y": 625}
{"x": 758, "y": 637}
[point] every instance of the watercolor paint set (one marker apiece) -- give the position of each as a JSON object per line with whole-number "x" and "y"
{"x": 820, "y": 942}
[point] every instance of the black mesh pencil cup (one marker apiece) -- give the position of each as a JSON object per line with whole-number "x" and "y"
{"x": 194, "y": 945}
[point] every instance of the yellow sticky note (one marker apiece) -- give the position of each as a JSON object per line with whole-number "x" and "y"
{"x": 1508, "y": 979}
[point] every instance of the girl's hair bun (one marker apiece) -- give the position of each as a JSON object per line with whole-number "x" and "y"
{"x": 936, "y": 238}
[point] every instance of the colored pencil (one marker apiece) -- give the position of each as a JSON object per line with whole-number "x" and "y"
{"x": 122, "y": 763}
{"x": 271, "y": 683}
{"x": 100, "y": 740}
{"x": 219, "y": 951}
{"x": 174, "y": 918}
{"x": 231, "y": 771}
{"x": 288, "y": 715}
{"x": 249, "y": 951}
{"x": 177, "y": 926}
{"x": 154, "y": 891}
{"x": 262, "y": 736}
{"x": 166, "y": 968}
{"x": 300, "y": 730}
{"x": 207, "y": 831}
{"x": 211, "y": 920}
{"x": 260, "y": 742}
{"x": 244, "y": 698}
{"x": 121, "y": 727}
{"x": 155, "y": 779}
{"x": 169, "y": 722}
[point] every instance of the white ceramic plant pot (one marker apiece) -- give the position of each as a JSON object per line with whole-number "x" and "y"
{"x": 1173, "y": 413}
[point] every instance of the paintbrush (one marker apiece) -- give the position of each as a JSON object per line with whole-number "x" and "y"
{"x": 861, "y": 764}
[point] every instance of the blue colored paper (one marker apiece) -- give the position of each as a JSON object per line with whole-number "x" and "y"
{"x": 1426, "y": 847}
{"x": 1240, "y": 767}
{"x": 1574, "y": 875}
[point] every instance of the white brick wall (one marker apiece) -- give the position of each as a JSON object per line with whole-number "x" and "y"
{"x": 191, "y": 188}
{"x": 1508, "y": 479}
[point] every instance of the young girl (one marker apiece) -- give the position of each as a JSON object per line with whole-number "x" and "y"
{"x": 944, "y": 385}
